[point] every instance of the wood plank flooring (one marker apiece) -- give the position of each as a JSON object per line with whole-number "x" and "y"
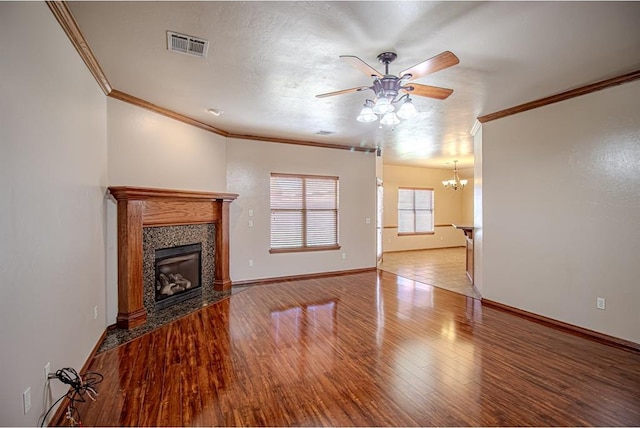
{"x": 367, "y": 349}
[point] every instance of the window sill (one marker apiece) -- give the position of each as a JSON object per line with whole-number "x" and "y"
{"x": 303, "y": 249}
{"x": 415, "y": 233}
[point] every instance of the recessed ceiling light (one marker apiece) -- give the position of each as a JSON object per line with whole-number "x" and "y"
{"x": 215, "y": 111}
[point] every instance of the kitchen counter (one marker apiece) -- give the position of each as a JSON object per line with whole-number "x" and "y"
{"x": 468, "y": 233}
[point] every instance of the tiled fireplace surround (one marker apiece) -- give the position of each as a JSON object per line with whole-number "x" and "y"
{"x": 156, "y": 238}
{"x": 149, "y": 219}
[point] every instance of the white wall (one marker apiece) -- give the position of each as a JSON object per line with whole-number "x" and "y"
{"x": 53, "y": 166}
{"x": 561, "y": 193}
{"x": 147, "y": 149}
{"x": 447, "y": 207}
{"x": 467, "y": 197}
{"x": 478, "y": 217}
{"x": 249, "y": 165}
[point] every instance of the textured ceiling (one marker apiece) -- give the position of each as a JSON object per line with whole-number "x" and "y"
{"x": 268, "y": 60}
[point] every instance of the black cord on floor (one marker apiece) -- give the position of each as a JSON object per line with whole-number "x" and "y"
{"x": 79, "y": 388}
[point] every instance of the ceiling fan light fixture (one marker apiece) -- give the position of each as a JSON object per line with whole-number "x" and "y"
{"x": 383, "y": 106}
{"x": 366, "y": 114}
{"x": 387, "y": 87}
{"x": 390, "y": 119}
{"x": 407, "y": 110}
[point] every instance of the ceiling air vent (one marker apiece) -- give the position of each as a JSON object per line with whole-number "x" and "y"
{"x": 182, "y": 43}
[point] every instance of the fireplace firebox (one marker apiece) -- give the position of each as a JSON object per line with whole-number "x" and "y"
{"x": 178, "y": 274}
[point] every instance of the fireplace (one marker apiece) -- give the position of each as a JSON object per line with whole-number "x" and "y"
{"x": 143, "y": 209}
{"x": 169, "y": 251}
{"x": 178, "y": 274}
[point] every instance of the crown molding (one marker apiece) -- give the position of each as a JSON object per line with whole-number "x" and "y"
{"x": 139, "y": 102}
{"x": 583, "y": 90}
{"x": 62, "y": 13}
{"x": 122, "y": 96}
{"x": 303, "y": 143}
{"x": 65, "y": 18}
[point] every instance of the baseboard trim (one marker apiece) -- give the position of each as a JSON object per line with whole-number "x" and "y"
{"x": 423, "y": 249}
{"x": 263, "y": 281}
{"x": 58, "y": 417}
{"x": 111, "y": 327}
{"x": 560, "y": 325}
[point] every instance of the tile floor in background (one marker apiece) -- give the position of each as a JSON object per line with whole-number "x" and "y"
{"x": 442, "y": 267}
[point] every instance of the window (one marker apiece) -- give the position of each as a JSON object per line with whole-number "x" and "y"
{"x": 415, "y": 211}
{"x": 304, "y": 213}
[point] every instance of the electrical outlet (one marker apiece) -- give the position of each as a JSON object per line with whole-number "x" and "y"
{"x": 367, "y": 220}
{"x": 250, "y": 213}
{"x": 47, "y": 370}
{"x": 344, "y": 256}
{"x": 95, "y": 312}
{"x": 26, "y": 400}
{"x": 250, "y": 263}
{"x": 600, "y": 303}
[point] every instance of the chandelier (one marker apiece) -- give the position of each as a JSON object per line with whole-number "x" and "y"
{"x": 455, "y": 183}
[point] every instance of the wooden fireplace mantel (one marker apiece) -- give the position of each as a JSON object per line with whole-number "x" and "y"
{"x": 140, "y": 207}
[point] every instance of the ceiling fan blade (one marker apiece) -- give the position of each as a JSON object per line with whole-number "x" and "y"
{"x": 344, "y": 91}
{"x": 427, "y": 91}
{"x": 439, "y": 62}
{"x": 359, "y": 64}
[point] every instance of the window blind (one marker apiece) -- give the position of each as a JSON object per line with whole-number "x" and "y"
{"x": 415, "y": 210}
{"x": 304, "y": 212}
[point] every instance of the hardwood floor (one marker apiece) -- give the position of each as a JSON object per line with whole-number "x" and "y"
{"x": 366, "y": 349}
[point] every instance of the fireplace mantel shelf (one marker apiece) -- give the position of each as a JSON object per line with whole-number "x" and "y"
{"x": 141, "y": 193}
{"x": 140, "y": 207}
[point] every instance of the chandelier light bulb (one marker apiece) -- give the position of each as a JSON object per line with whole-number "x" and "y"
{"x": 366, "y": 114}
{"x": 383, "y": 106}
{"x": 390, "y": 119}
{"x": 407, "y": 110}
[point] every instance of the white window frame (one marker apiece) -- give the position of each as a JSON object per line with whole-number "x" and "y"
{"x": 306, "y": 216}
{"x": 415, "y": 229}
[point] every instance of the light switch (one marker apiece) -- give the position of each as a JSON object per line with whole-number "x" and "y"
{"x": 250, "y": 223}
{"x": 250, "y": 213}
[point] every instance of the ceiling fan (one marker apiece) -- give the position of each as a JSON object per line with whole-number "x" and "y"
{"x": 387, "y": 87}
